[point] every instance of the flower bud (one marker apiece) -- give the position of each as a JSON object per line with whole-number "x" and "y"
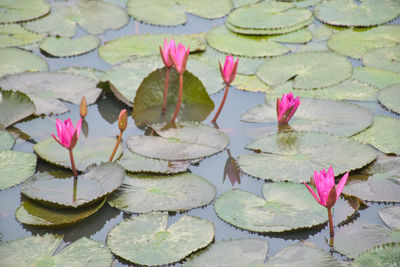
{"x": 83, "y": 108}
{"x": 123, "y": 120}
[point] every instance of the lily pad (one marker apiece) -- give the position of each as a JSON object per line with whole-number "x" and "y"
{"x": 294, "y": 156}
{"x": 391, "y": 216}
{"x": 91, "y": 73}
{"x": 196, "y": 103}
{"x": 385, "y": 255}
{"x": 147, "y": 193}
{"x": 119, "y": 49}
{"x": 96, "y": 183}
{"x": 133, "y": 162}
{"x": 39, "y": 250}
{"x": 241, "y": 253}
{"x": 87, "y": 152}
{"x": 250, "y": 83}
{"x": 45, "y": 88}
{"x": 387, "y": 58}
{"x": 355, "y": 43}
{"x": 383, "y": 134}
{"x": 15, "y": 167}
{"x": 15, "y": 35}
{"x": 22, "y": 10}
{"x": 146, "y": 240}
{"x": 376, "y": 77}
{"x": 67, "y": 47}
{"x": 184, "y": 142}
{"x": 318, "y": 115}
{"x": 390, "y": 98}
{"x": 7, "y": 141}
{"x": 13, "y": 60}
{"x": 33, "y": 213}
{"x": 286, "y": 207}
{"x": 309, "y": 69}
{"x": 14, "y": 106}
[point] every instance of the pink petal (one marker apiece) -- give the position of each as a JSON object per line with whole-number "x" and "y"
{"x": 341, "y": 185}
{"x": 78, "y": 128}
{"x": 313, "y": 193}
{"x": 57, "y": 139}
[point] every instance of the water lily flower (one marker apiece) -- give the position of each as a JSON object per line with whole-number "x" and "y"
{"x": 179, "y": 56}
{"x": 164, "y": 52}
{"x": 286, "y": 107}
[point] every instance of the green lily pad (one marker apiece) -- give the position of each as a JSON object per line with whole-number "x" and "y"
{"x": 268, "y": 15}
{"x": 240, "y": 3}
{"x": 33, "y": 213}
{"x": 7, "y": 141}
{"x": 391, "y": 216}
{"x": 13, "y": 60}
{"x": 309, "y": 69}
{"x": 146, "y": 240}
{"x": 318, "y": 115}
{"x": 387, "y": 58}
{"x": 385, "y": 255}
{"x": 379, "y": 182}
{"x": 294, "y": 156}
{"x": 241, "y": 252}
{"x": 383, "y": 134}
{"x": 96, "y": 183}
{"x": 306, "y": 3}
{"x": 91, "y": 73}
{"x": 286, "y": 207}
{"x": 184, "y": 142}
{"x": 15, "y": 167}
{"x": 147, "y": 193}
{"x": 14, "y": 106}
{"x": 22, "y": 10}
{"x": 45, "y": 88}
{"x": 355, "y": 43}
{"x": 122, "y": 48}
{"x": 95, "y": 17}
{"x": 87, "y": 152}
{"x": 350, "y": 13}
{"x": 15, "y": 35}
{"x": 376, "y": 77}
{"x": 196, "y": 103}
{"x": 67, "y": 47}
{"x": 39, "y": 251}
{"x": 250, "y": 83}
{"x": 390, "y": 98}
{"x": 321, "y": 32}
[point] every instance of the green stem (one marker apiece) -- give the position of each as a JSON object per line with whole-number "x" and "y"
{"x": 178, "y": 105}
{"x": 71, "y": 157}
{"x": 331, "y": 230}
{"x": 164, "y": 106}
{"x": 221, "y": 105}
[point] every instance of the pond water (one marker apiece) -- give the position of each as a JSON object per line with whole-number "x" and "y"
{"x": 102, "y": 121}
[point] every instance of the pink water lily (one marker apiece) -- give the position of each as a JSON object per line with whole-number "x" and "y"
{"x": 67, "y": 134}
{"x": 179, "y": 56}
{"x": 165, "y": 52}
{"x": 286, "y": 107}
{"x": 228, "y": 73}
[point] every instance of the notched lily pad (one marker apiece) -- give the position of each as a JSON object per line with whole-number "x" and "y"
{"x": 22, "y": 10}
{"x": 376, "y": 77}
{"x": 390, "y": 98}
{"x": 391, "y": 217}
{"x": 385, "y": 255}
{"x": 15, "y": 167}
{"x": 91, "y": 73}
{"x": 14, "y": 106}
{"x": 7, "y": 141}
{"x": 15, "y": 35}
{"x": 386, "y": 58}
{"x": 67, "y": 47}
{"x": 14, "y": 60}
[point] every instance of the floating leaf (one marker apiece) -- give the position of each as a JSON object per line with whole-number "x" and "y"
{"x": 318, "y": 115}
{"x": 91, "y": 73}
{"x": 87, "y": 152}
{"x": 15, "y": 35}
{"x": 196, "y": 103}
{"x": 98, "y": 182}
{"x": 390, "y": 98}
{"x": 67, "y": 47}
{"x": 383, "y": 134}
{"x": 355, "y": 43}
{"x": 124, "y": 47}
{"x": 13, "y": 60}
{"x": 14, "y": 106}
{"x": 391, "y": 217}
{"x": 33, "y": 213}
{"x": 306, "y": 3}
{"x": 293, "y": 156}
{"x": 387, "y": 58}
{"x": 6, "y": 140}
{"x": 44, "y": 88}
{"x": 240, "y": 3}
{"x": 184, "y": 142}
{"x": 385, "y": 255}
{"x": 146, "y": 240}
{"x": 250, "y": 83}
{"x": 208, "y": 75}
{"x": 240, "y": 252}
{"x": 321, "y": 32}
{"x": 15, "y": 167}
{"x": 376, "y": 77}
{"x": 147, "y": 193}
{"x": 286, "y": 207}
{"x": 309, "y": 69}
{"x": 39, "y": 251}
{"x": 22, "y": 10}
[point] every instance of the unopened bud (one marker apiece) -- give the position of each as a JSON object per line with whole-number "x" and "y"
{"x": 123, "y": 120}
{"x": 83, "y": 108}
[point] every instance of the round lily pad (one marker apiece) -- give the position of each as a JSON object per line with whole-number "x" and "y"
{"x": 387, "y": 58}
{"x": 146, "y": 240}
{"x": 383, "y": 134}
{"x": 286, "y": 207}
{"x": 146, "y": 193}
{"x": 391, "y": 217}
{"x": 294, "y": 156}
{"x": 14, "y": 106}
{"x": 98, "y": 182}
{"x": 7, "y": 141}
{"x": 250, "y": 83}
{"x": 45, "y": 88}
{"x": 309, "y": 69}
{"x": 86, "y": 152}
{"x": 22, "y": 10}
{"x": 241, "y": 253}
{"x": 15, "y": 35}
{"x": 376, "y": 77}
{"x": 355, "y": 43}
{"x": 33, "y": 213}
{"x": 13, "y": 60}
{"x": 15, "y": 167}
{"x": 67, "y": 47}
{"x": 91, "y": 73}
{"x": 183, "y": 142}
{"x": 390, "y": 98}
{"x": 351, "y": 13}
{"x": 385, "y": 255}
{"x": 39, "y": 250}
{"x": 318, "y": 115}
